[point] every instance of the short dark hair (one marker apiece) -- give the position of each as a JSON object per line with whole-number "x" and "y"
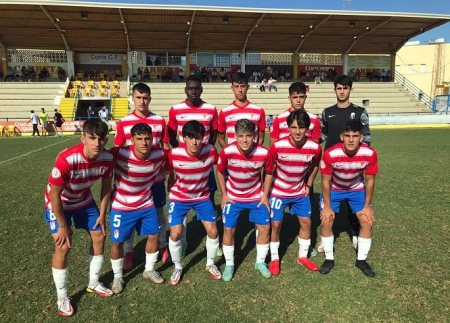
{"x": 244, "y": 125}
{"x": 239, "y": 78}
{"x": 302, "y": 118}
{"x": 297, "y": 87}
{"x": 141, "y": 88}
{"x": 352, "y": 126}
{"x": 32, "y": 111}
{"x": 95, "y": 127}
{"x": 141, "y": 129}
{"x": 343, "y": 80}
{"x": 192, "y": 129}
{"x": 195, "y": 78}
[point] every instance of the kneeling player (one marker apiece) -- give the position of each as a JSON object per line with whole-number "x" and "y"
{"x": 132, "y": 202}
{"x": 68, "y": 197}
{"x": 245, "y": 160}
{"x": 343, "y": 168}
{"x": 295, "y": 157}
{"x": 192, "y": 163}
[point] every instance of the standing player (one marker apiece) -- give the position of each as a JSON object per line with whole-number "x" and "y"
{"x": 348, "y": 174}
{"x": 294, "y": 157}
{"x": 241, "y": 108}
{"x": 297, "y": 98}
{"x": 333, "y": 118}
{"x": 68, "y": 197}
{"x": 192, "y": 162}
{"x": 193, "y": 108}
{"x": 142, "y": 114}
{"x": 43, "y": 118}
{"x": 137, "y": 167}
{"x": 245, "y": 160}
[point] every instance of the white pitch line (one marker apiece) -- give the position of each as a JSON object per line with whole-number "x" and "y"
{"x": 33, "y": 151}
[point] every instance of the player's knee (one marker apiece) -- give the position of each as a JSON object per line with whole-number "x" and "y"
{"x": 62, "y": 252}
{"x": 305, "y": 223}
{"x": 275, "y": 226}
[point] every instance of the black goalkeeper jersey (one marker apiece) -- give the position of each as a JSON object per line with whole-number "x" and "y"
{"x": 333, "y": 118}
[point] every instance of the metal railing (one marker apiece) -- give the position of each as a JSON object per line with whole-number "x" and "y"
{"x": 413, "y": 89}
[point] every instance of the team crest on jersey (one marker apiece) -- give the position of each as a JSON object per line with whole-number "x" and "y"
{"x": 352, "y": 115}
{"x": 52, "y": 225}
{"x": 56, "y": 173}
{"x": 116, "y": 234}
{"x": 169, "y": 218}
{"x": 102, "y": 170}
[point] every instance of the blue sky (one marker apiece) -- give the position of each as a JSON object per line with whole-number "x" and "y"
{"x": 414, "y": 6}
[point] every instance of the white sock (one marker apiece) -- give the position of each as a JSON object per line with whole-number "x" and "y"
{"x": 327, "y": 243}
{"x": 150, "y": 260}
{"x": 363, "y": 247}
{"x": 211, "y": 250}
{"x": 117, "y": 267}
{"x": 303, "y": 247}
{"x": 228, "y": 253}
{"x": 175, "y": 253}
{"x": 274, "y": 246}
{"x": 129, "y": 243}
{"x": 95, "y": 266}
{"x": 60, "y": 279}
{"x": 163, "y": 223}
{"x": 261, "y": 252}
{"x": 184, "y": 232}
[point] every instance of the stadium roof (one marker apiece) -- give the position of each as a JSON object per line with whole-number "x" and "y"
{"x": 113, "y": 27}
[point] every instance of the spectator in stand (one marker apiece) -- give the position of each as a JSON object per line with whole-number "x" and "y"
{"x": 222, "y": 75}
{"x": 9, "y": 74}
{"x": 91, "y": 74}
{"x": 90, "y": 113}
{"x": 266, "y": 74}
{"x": 111, "y": 75}
{"x": 281, "y": 76}
{"x": 317, "y": 79}
{"x": 287, "y": 76}
{"x": 192, "y": 72}
{"x": 388, "y": 76}
{"x": 31, "y": 73}
{"x": 23, "y": 74}
{"x": 271, "y": 84}
{"x": 369, "y": 75}
{"x": 181, "y": 75}
{"x": 255, "y": 76}
{"x": 164, "y": 75}
{"x": 204, "y": 74}
{"x": 383, "y": 75}
{"x": 214, "y": 75}
{"x": 322, "y": 76}
{"x": 61, "y": 74}
{"x": 358, "y": 75}
{"x": 157, "y": 61}
{"x": 43, "y": 73}
{"x": 169, "y": 74}
{"x": 262, "y": 87}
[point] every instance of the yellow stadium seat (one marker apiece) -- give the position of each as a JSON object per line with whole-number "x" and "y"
{"x": 2, "y": 131}
{"x": 114, "y": 92}
{"x": 101, "y": 76}
{"x": 77, "y": 83}
{"x": 119, "y": 74}
{"x": 116, "y": 84}
{"x": 88, "y": 91}
{"x": 91, "y": 84}
{"x": 11, "y": 131}
{"x": 102, "y": 92}
{"x": 73, "y": 92}
{"x": 104, "y": 84}
{"x": 80, "y": 75}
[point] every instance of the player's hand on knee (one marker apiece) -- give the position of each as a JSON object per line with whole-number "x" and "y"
{"x": 266, "y": 202}
{"x": 101, "y": 222}
{"x": 63, "y": 237}
{"x": 368, "y": 215}
{"x": 327, "y": 216}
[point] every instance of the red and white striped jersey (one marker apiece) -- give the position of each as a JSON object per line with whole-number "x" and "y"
{"x": 232, "y": 113}
{"x": 77, "y": 174}
{"x": 244, "y": 182}
{"x": 133, "y": 178}
{"x": 181, "y": 113}
{"x": 347, "y": 172}
{"x": 159, "y": 132}
{"x": 292, "y": 165}
{"x": 280, "y": 127}
{"x": 191, "y": 184}
{"x": 157, "y": 123}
